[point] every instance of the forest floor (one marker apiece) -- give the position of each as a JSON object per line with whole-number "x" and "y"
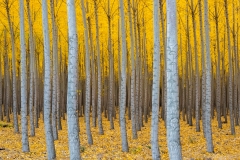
{"x": 108, "y": 146}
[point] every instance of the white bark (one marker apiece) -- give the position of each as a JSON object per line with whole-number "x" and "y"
{"x": 208, "y": 128}
{"x": 155, "y": 86}
{"x": 24, "y": 122}
{"x": 122, "y": 98}
{"x": 72, "y": 114}
{"x": 47, "y": 84}
{"x": 173, "y": 129}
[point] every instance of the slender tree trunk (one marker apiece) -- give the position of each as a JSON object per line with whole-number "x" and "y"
{"x": 173, "y": 135}
{"x": 72, "y": 114}
{"x": 36, "y": 94}
{"x": 196, "y": 69}
{"x": 230, "y": 78}
{"x": 136, "y": 67}
{"x": 207, "y": 113}
{"x": 224, "y": 86}
{"x": 31, "y": 108}
{"x": 155, "y": 86}
{"x": 164, "y": 89}
{"x": 47, "y": 84}
{"x": 145, "y": 80}
{"x": 203, "y": 66}
{"x": 189, "y": 75}
{"x": 140, "y": 117}
{"x": 133, "y": 107}
{"x": 24, "y": 122}
{"x": 88, "y": 76}
{"x": 218, "y": 70}
{"x": 99, "y": 109}
{"x": 122, "y": 97}
{"x": 119, "y": 69}
{"x": 92, "y": 66}
{"x": 55, "y": 72}
{"x": 59, "y": 95}
{"x": 6, "y": 79}
{"x": 15, "y": 121}
{"x": 111, "y": 76}
{"x": 183, "y": 108}
{"x": 235, "y": 72}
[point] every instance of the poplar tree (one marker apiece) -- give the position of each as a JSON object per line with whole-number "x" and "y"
{"x": 173, "y": 129}
{"x": 156, "y": 82}
{"x": 72, "y": 114}
{"x": 24, "y": 122}
{"x": 47, "y": 84}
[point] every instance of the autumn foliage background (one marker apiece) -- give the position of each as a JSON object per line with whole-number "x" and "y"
{"x": 108, "y": 146}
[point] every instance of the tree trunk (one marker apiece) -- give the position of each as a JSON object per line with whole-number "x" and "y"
{"x": 31, "y": 108}
{"x": 24, "y": 122}
{"x": 122, "y": 97}
{"x": 235, "y": 71}
{"x": 72, "y": 114}
{"x": 189, "y": 75}
{"x": 208, "y": 128}
{"x": 55, "y": 71}
{"x": 203, "y": 66}
{"x": 173, "y": 135}
{"x": 133, "y": 102}
{"x": 99, "y": 103}
{"x": 136, "y": 105}
{"x": 111, "y": 68}
{"x": 47, "y": 84}
{"x": 230, "y": 78}
{"x": 16, "y": 127}
{"x": 218, "y": 70}
{"x": 88, "y": 76}
{"x": 196, "y": 70}
{"x": 59, "y": 95}
{"x": 155, "y": 86}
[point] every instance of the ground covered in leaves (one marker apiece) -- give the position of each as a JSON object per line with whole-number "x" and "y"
{"x": 108, "y": 146}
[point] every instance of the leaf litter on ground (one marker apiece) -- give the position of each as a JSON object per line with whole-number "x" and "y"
{"x": 108, "y": 146}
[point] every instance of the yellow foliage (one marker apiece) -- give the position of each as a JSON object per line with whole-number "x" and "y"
{"x": 108, "y": 146}
{"x": 145, "y": 19}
